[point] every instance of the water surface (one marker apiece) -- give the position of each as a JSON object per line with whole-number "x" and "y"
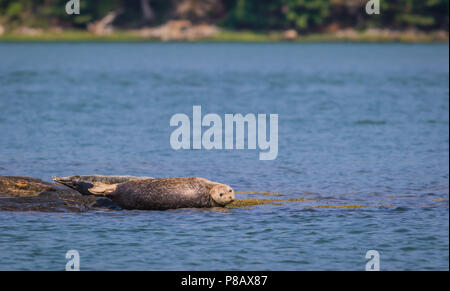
{"x": 359, "y": 125}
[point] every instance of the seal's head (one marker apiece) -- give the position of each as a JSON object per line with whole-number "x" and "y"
{"x": 222, "y": 194}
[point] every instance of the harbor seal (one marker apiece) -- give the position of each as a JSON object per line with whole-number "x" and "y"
{"x": 161, "y": 194}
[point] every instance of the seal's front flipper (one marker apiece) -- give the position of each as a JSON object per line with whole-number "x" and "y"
{"x": 102, "y": 188}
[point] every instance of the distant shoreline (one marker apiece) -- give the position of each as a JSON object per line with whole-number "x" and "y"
{"x": 232, "y": 36}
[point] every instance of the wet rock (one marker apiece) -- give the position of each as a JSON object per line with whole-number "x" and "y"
{"x": 178, "y": 30}
{"x": 39, "y": 204}
{"x": 348, "y": 33}
{"x": 290, "y": 35}
{"x": 104, "y": 25}
{"x": 104, "y": 202}
{"x": 440, "y": 35}
{"x": 31, "y": 194}
{"x": 29, "y": 30}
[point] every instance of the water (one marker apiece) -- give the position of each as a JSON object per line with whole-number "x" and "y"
{"x": 359, "y": 124}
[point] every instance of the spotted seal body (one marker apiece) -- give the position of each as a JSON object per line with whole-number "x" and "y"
{"x": 168, "y": 193}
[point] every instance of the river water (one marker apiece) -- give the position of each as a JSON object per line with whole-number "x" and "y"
{"x": 363, "y": 138}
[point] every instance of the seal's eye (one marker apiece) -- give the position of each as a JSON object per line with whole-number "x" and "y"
{"x": 221, "y": 194}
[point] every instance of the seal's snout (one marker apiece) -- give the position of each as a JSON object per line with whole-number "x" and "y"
{"x": 231, "y": 195}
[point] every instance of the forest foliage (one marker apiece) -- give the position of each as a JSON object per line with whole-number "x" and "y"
{"x": 257, "y": 15}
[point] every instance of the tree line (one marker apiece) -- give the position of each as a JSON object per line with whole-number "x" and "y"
{"x": 257, "y": 15}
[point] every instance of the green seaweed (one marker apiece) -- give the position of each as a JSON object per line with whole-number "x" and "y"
{"x": 263, "y": 193}
{"x": 440, "y": 199}
{"x": 248, "y": 203}
{"x": 335, "y": 206}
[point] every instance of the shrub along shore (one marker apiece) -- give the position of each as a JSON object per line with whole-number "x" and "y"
{"x": 229, "y": 36}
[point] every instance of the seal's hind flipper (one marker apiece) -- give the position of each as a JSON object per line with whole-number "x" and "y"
{"x": 75, "y": 183}
{"x": 80, "y": 184}
{"x": 85, "y": 183}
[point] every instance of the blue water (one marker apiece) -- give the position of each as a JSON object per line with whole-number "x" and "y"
{"x": 359, "y": 124}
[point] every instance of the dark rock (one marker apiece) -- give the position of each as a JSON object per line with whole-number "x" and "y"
{"x": 31, "y": 194}
{"x": 104, "y": 202}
